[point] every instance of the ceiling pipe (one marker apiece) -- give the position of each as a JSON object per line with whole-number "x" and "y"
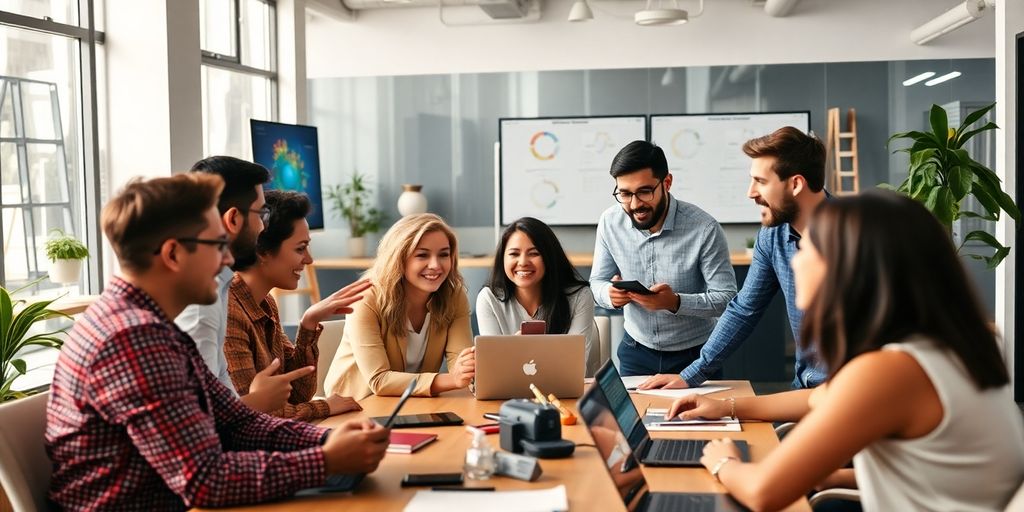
{"x": 779, "y": 8}
{"x": 950, "y": 20}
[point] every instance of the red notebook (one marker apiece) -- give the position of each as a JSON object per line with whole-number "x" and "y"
{"x": 408, "y": 442}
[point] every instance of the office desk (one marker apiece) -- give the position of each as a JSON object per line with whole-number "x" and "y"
{"x": 587, "y": 483}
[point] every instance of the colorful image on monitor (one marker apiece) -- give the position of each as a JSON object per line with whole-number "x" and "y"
{"x": 293, "y": 157}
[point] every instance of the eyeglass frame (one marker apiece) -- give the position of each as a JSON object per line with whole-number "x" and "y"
{"x": 223, "y": 242}
{"x": 616, "y": 192}
{"x": 264, "y": 213}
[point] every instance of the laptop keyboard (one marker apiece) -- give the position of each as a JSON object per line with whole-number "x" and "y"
{"x": 682, "y": 502}
{"x": 677, "y": 450}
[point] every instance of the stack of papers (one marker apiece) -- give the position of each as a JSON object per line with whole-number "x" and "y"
{"x": 654, "y": 420}
{"x": 544, "y": 500}
{"x": 679, "y": 393}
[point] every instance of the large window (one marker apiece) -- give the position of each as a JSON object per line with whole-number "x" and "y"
{"x": 239, "y": 43}
{"x": 47, "y": 153}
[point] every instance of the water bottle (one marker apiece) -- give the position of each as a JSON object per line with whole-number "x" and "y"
{"x": 479, "y": 456}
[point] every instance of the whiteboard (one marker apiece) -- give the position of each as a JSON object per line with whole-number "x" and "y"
{"x": 706, "y": 159}
{"x": 556, "y": 169}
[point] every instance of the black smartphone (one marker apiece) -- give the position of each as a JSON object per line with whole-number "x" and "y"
{"x": 431, "y": 479}
{"x": 632, "y": 286}
{"x": 437, "y": 419}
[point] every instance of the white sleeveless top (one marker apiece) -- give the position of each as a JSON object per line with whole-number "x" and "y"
{"x": 973, "y": 460}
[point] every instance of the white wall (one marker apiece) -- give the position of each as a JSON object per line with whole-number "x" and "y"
{"x": 1009, "y": 22}
{"x": 409, "y": 41}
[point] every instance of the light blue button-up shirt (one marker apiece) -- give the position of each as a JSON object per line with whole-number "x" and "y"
{"x": 689, "y": 254}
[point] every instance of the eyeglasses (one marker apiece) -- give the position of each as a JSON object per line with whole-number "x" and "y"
{"x": 221, "y": 243}
{"x": 644, "y": 194}
{"x": 264, "y": 213}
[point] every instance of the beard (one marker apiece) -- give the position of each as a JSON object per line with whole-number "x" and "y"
{"x": 245, "y": 242}
{"x": 656, "y": 213}
{"x": 784, "y": 213}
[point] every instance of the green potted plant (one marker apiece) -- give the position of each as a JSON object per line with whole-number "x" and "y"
{"x": 16, "y": 320}
{"x": 942, "y": 174}
{"x": 750, "y": 246}
{"x": 66, "y": 254}
{"x": 352, "y": 202}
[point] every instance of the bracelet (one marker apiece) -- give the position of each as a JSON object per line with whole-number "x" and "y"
{"x": 719, "y": 465}
{"x": 732, "y": 407}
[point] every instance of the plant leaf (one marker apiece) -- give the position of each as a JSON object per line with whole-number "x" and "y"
{"x": 19, "y": 365}
{"x": 973, "y": 117}
{"x": 960, "y": 180}
{"x": 997, "y": 258}
{"x": 940, "y": 203}
{"x": 940, "y": 124}
{"x": 964, "y": 137}
{"x": 984, "y": 237}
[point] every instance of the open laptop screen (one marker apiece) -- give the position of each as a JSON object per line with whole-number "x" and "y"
{"x": 613, "y": 448}
{"x": 614, "y": 390}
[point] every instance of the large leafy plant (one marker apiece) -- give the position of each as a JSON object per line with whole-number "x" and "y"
{"x": 65, "y": 247}
{"x": 942, "y": 174}
{"x": 17, "y": 317}
{"x": 352, "y": 201}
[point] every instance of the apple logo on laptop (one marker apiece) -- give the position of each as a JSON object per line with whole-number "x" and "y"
{"x": 530, "y": 368}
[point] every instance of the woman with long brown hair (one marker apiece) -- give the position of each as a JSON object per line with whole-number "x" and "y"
{"x": 917, "y": 395}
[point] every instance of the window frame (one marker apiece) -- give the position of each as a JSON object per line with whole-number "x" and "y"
{"x": 88, "y": 37}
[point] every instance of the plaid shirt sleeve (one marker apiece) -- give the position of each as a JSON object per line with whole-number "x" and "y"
{"x": 147, "y": 386}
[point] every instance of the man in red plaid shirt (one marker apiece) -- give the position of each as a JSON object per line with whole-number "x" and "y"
{"x": 136, "y": 421}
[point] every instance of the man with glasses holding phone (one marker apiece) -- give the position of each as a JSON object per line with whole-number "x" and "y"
{"x": 244, "y": 213}
{"x": 676, "y": 249}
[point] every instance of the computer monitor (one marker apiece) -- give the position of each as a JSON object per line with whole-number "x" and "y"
{"x": 291, "y": 153}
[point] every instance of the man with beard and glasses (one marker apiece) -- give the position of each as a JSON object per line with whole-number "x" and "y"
{"x": 243, "y": 212}
{"x": 787, "y": 179}
{"x": 675, "y": 249}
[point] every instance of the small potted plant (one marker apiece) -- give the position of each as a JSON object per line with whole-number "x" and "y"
{"x": 16, "y": 319}
{"x": 351, "y": 200}
{"x": 66, "y": 254}
{"x": 750, "y": 246}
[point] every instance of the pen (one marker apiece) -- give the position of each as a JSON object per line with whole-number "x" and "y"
{"x": 454, "y": 488}
{"x": 538, "y": 394}
{"x": 493, "y": 416}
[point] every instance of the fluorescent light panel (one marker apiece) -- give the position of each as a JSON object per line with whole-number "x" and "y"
{"x": 923, "y": 76}
{"x": 943, "y": 78}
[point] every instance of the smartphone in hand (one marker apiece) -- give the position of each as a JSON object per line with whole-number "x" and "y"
{"x": 632, "y": 286}
{"x": 533, "y": 327}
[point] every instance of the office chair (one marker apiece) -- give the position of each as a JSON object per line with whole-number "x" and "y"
{"x": 24, "y": 466}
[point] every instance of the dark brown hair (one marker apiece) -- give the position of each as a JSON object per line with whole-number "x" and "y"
{"x": 147, "y": 212}
{"x": 892, "y": 273}
{"x": 286, "y": 207}
{"x": 795, "y": 153}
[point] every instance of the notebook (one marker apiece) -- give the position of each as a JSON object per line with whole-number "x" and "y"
{"x": 409, "y": 442}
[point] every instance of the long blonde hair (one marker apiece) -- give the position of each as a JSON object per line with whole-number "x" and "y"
{"x": 388, "y": 272}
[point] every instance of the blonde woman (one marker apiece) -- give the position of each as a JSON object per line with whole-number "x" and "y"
{"x": 415, "y": 313}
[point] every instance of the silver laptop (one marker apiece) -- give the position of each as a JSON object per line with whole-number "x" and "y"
{"x": 506, "y": 365}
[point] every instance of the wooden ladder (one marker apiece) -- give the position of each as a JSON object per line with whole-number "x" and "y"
{"x": 842, "y": 164}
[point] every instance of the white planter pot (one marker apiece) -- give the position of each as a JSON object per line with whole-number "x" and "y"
{"x": 357, "y": 247}
{"x": 750, "y": 251}
{"x": 65, "y": 271}
{"x": 412, "y": 201}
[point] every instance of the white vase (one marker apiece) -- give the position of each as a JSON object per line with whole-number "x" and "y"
{"x": 65, "y": 271}
{"x": 412, "y": 201}
{"x": 357, "y": 247}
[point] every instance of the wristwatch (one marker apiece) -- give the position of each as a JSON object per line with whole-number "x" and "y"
{"x": 719, "y": 465}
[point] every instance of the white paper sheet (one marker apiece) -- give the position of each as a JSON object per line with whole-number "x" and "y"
{"x": 633, "y": 381}
{"x": 679, "y": 393}
{"x": 541, "y": 500}
{"x": 654, "y": 421}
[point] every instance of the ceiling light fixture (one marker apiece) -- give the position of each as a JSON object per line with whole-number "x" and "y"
{"x": 950, "y": 20}
{"x": 664, "y": 16}
{"x": 944, "y": 78}
{"x": 580, "y": 11}
{"x": 913, "y": 80}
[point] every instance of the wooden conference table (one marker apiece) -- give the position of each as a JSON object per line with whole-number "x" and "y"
{"x": 586, "y": 481}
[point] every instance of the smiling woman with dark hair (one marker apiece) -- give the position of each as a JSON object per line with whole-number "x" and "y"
{"x": 917, "y": 391}
{"x": 533, "y": 279}
{"x": 255, "y": 341}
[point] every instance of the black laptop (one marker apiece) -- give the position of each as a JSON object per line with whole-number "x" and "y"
{"x": 652, "y": 452}
{"x": 347, "y": 483}
{"x": 627, "y": 475}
